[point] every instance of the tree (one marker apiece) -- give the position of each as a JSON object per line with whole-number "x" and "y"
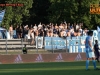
{"x": 90, "y": 20}
{"x": 46, "y": 11}
{"x": 15, "y": 14}
{"x": 39, "y": 11}
{"x": 61, "y": 10}
{"x": 73, "y": 11}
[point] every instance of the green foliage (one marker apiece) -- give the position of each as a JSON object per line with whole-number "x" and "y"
{"x": 46, "y": 11}
{"x": 39, "y": 11}
{"x": 15, "y": 14}
{"x": 73, "y": 11}
{"x": 61, "y": 10}
{"x": 84, "y": 15}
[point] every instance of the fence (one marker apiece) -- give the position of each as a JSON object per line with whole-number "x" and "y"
{"x": 46, "y": 44}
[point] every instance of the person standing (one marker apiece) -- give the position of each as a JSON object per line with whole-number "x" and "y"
{"x": 4, "y": 33}
{"x": 24, "y": 49}
{"x": 89, "y": 50}
{"x": 11, "y": 31}
{"x": 17, "y": 31}
{"x": 96, "y": 48}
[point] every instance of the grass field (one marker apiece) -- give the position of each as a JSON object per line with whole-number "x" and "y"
{"x": 52, "y": 68}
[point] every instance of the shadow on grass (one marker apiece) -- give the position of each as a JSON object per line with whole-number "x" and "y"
{"x": 53, "y": 72}
{"x": 53, "y": 68}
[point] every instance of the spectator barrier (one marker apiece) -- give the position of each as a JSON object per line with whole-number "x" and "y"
{"x": 34, "y": 58}
{"x": 72, "y": 45}
{"x": 68, "y": 44}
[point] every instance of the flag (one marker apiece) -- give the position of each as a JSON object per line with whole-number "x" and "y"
{"x": 1, "y": 15}
{"x": 98, "y": 28}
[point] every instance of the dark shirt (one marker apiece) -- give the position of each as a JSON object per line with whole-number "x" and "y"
{"x": 17, "y": 30}
{"x": 25, "y": 31}
{"x": 45, "y": 33}
{"x": 24, "y": 49}
{"x": 40, "y": 33}
{"x": 96, "y": 47}
{"x": 54, "y": 31}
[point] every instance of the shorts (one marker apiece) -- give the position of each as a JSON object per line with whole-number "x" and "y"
{"x": 89, "y": 53}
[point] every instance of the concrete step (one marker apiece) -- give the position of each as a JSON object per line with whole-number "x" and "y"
{"x": 19, "y": 48}
{"x": 10, "y": 40}
{"x": 13, "y": 40}
{"x": 17, "y": 42}
{"x": 16, "y": 46}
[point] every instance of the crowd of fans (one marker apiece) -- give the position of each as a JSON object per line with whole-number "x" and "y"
{"x": 49, "y": 30}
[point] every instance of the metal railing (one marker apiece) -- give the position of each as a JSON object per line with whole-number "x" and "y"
{"x": 44, "y": 45}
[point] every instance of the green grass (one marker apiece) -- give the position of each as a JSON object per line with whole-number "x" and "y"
{"x": 52, "y": 68}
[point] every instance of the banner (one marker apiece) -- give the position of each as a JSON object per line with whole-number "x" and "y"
{"x": 1, "y": 15}
{"x": 98, "y": 29}
{"x": 95, "y": 34}
{"x": 39, "y": 42}
{"x": 74, "y": 45}
{"x": 36, "y": 58}
{"x": 55, "y": 43}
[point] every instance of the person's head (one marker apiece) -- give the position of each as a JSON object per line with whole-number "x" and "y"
{"x": 10, "y": 25}
{"x": 96, "y": 41}
{"x": 90, "y": 33}
{"x": 35, "y": 24}
{"x": 76, "y": 42}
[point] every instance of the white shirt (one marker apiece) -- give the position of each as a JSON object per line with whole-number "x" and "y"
{"x": 35, "y": 28}
{"x": 64, "y": 33}
{"x": 77, "y": 27}
{"x": 84, "y": 33}
{"x": 39, "y": 25}
{"x": 80, "y": 30}
{"x": 26, "y": 26}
